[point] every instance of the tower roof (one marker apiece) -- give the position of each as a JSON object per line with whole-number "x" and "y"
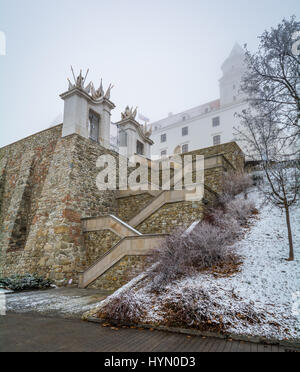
{"x": 236, "y": 50}
{"x": 237, "y": 53}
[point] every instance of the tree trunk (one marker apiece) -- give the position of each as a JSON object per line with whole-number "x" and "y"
{"x": 288, "y": 223}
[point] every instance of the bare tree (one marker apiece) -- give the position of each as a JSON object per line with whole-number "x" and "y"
{"x": 282, "y": 190}
{"x": 272, "y": 80}
{"x": 270, "y": 127}
{"x": 265, "y": 143}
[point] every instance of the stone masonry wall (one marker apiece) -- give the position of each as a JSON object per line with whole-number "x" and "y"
{"x": 171, "y": 217}
{"x": 214, "y": 178}
{"x": 121, "y": 273}
{"x": 97, "y": 243}
{"x": 56, "y": 179}
{"x": 3, "y": 163}
{"x": 26, "y": 165}
{"x": 130, "y": 206}
{"x": 230, "y": 150}
{"x": 175, "y": 215}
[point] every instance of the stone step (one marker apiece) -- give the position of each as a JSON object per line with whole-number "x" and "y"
{"x": 129, "y": 246}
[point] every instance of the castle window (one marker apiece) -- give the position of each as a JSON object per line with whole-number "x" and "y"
{"x": 163, "y": 138}
{"x": 139, "y": 148}
{"x": 185, "y": 131}
{"x": 94, "y": 120}
{"x": 217, "y": 140}
{"x": 185, "y": 148}
{"x": 216, "y": 121}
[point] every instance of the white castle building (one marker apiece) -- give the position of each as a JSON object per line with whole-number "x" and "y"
{"x": 208, "y": 124}
{"x": 87, "y": 112}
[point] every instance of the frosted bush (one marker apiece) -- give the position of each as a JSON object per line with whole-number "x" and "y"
{"x": 183, "y": 255}
{"x": 199, "y": 309}
{"x": 239, "y": 210}
{"x": 235, "y": 183}
{"x": 210, "y": 243}
{"x": 125, "y": 309}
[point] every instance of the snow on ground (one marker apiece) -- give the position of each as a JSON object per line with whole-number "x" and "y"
{"x": 267, "y": 284}
{"x": 66, "y": 302}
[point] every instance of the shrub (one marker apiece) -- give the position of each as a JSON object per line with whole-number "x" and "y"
{"x": 235, "y": 183}
{"x": 210, "y": 244}
{"x": 220, "y": 217}
{"x": 198, "y": 309}
{"x": 25, "y": 282}
{"x": 184, "y": 254}
{"x": 239, "y": 210}
{"x": 125, "y": 309}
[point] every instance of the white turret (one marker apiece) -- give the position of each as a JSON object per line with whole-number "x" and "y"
{"x": 134, "y": 138}
{"x": 233, "y": 69}
{"x": 87, "y": 111}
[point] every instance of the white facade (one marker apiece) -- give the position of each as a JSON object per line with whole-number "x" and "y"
{"x": 87, "y": 111}
{"x": 205, "y": 125}
{"x": 133, "y": 139}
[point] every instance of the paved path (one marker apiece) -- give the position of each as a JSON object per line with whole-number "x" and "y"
{"x": 36, "y": 333}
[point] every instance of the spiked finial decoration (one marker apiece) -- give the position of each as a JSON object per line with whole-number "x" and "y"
{"x": 79, "y": 83}
{"x": 129, "y": 113}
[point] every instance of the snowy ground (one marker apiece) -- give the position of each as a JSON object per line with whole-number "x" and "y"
{"x": 63, "y": 302}
{"x": 267, "y": 285}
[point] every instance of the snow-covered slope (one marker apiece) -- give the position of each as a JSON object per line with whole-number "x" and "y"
{"x": 267, "y": 285}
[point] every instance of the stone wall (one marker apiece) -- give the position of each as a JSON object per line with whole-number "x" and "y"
{"x": 176, "y": 215}
{"x": 233, "y": 159}
{"x": 230, "y": 150}
{"x": 50, "y": 184}
{"x": 130, "y": 206}
{"x": 2, "y": 184}
{"x": 214, "y": 178}
{"x": 97, "y": 243}
{"x": 121, "y": 273}
{"x": 27, "y": 164}
{"x": 171, "y": 217}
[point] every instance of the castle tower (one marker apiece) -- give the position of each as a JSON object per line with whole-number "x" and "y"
{"x": 132, "y": 136}
{"x": 233, "y": 69}
{"x": 87, "y": 111}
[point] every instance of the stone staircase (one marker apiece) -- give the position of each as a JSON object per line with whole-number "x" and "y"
{"x": 109, "y": 222}
{"x": 148, "y": 221}
{"x": 131, "y": 241}
{"x": 164, "y": 197}
{"x": 128, "y": 246}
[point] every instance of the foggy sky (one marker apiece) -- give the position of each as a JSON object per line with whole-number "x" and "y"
{"x": 162, "y": 55}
